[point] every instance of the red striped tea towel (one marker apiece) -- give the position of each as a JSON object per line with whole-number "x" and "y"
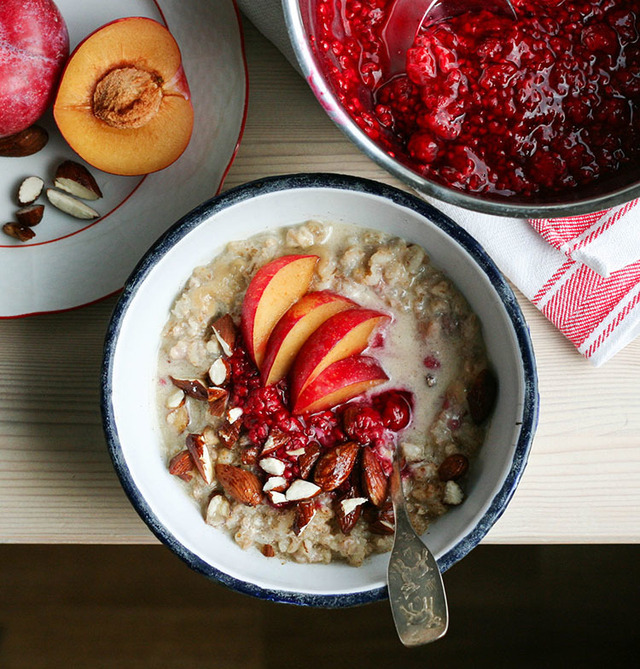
{"x": 582, "y": 273}
{"x": 605, "y": 241}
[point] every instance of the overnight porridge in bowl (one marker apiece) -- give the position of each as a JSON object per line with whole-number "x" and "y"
{"x": 291, "y": 368}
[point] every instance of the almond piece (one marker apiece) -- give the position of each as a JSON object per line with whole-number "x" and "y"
{"x": 268, "y": 551}
{"x": 239, "y": 484}
{"x": 219, "y": 372}
{"x": 453, "y": 494}
{"x": 234, "y": 414}
{"x": 276, "y": 483}
{"x": 250, "y": 455}
{"x": 191, "y": 387}
{"x": 305, "y": 511}
{"x": 374, "y": 482}
{"x": 308, "y": 458}
{"x": 301, "y": 489}
{"x": 277, "y": 498}
{"x": 71, "y": 205}
{"x": 19, "y": 232}
{"x": 179, "y": 419}
{"x": 384, "y": 522}
{"x": 181, "y": 465}
{"x": 201, "y": 456}
{"x": 453, "y": 467}
{"x": 334, "y": 467}
{"x": 218, "y": 401}
{"x": 347, "y": 511}
{"x": 272, "y": 466}
{"x": 225, "y": 331}
{"x": 198, "y": 389}
{"x": 30, "y": 190}
{"x": 229, "y": 433}
{"x": 24, "y": 143}
{"x": 275, "y": 440}
{"x": 176, "y": 399}
{"x": 76, "y": 179}
{"x": 31, "y": 215}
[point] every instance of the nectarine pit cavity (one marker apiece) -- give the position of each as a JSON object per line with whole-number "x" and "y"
{"x": 127, "y": 97}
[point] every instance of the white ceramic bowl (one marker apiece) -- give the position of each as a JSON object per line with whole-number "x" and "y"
{"x": 129, "y": 407}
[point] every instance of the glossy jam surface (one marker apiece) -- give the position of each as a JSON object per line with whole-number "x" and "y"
{"x": 490, "y": 105}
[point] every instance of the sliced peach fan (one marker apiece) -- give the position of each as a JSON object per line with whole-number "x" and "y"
{"x": 124, "y": 103}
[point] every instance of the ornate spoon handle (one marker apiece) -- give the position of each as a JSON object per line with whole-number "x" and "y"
{"x": 416, "y": 591}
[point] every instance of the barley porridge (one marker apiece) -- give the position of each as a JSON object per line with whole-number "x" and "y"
{"x": 290, "y": 368}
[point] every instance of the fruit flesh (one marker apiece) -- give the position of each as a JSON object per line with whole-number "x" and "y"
{"x": 274, "y": 288}
{"x": 345, "y": 334}
{"x": 124, "y": 103}
{"x": 34, "y": 45}
{"x": 295, "y": 327}
{"x": 340, "y": 382}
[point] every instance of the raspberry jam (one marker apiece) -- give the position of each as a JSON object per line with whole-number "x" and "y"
{"x": 489, "y": 105}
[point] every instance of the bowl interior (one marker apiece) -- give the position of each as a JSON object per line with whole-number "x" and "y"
{"x": 132, "y": 348}
{"x": 302, "y": 26}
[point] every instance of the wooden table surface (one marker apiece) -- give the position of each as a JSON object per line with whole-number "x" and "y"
{"x": 582, "y": 483}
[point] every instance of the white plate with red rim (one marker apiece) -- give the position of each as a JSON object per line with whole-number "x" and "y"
{"x": 71, "y": 263}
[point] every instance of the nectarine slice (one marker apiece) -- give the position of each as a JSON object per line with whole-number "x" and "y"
{"x": 295, "y": 327}
{"x": 344, "y": 334}
{"x": 339, "y": 382}
{"x": 124, "y": 103}
{"x": 273, "y": 289}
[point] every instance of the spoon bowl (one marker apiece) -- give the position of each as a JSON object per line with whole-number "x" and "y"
{"x": 416, "y": 591}
{"x": 408, "y": 16}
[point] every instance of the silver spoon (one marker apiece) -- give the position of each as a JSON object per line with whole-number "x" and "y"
{"x": 416, "y": 591}
{"x": 408, "y": 16}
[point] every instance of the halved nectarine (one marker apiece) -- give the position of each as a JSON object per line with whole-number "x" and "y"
{"x": 295, "y": 327}
{"x": 273, "y": 289}
{"x": 124, "y": 103}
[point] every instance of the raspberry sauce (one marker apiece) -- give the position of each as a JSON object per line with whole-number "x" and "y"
{"x": 523, "y": 108}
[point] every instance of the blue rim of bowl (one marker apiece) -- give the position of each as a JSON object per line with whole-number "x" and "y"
{"x": 339, "y": 182}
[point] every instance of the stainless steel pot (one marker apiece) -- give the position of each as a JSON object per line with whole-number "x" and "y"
{"x": 606, "y": 193}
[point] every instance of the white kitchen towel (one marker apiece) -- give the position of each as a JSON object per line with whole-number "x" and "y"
{"x": 582, "y": 273}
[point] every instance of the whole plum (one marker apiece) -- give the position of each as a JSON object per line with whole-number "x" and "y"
{"x": 34, "y": 46}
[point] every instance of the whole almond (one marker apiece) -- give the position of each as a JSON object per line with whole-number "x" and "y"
{"x": 239, "y": 484}
{"x": 24, "y": 143}
{"x": 334, "y": 467}
{"x": 374, "y": 481}
{"x": 453, "y": 467}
